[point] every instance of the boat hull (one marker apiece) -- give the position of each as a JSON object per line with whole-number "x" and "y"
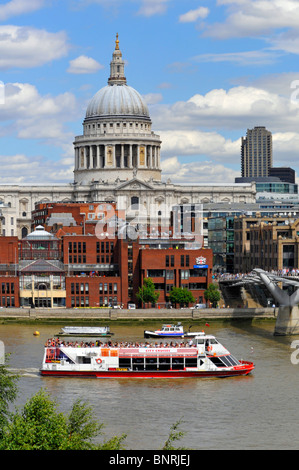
{"x": 153, "y": 334}
{"x": 149, "y": 334}
{"x": 245, "y": 368}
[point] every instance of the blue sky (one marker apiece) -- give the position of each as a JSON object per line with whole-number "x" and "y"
{"x": 208, "y": 70}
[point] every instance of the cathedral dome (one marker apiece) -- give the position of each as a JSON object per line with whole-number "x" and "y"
{"x": 117, "y": 100}
{"x": 117, "y": 140}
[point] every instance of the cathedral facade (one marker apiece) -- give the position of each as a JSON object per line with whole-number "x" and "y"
{"x": 118, "y": 158}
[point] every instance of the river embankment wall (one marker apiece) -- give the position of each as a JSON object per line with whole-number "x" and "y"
{"x": 110, "y": 314}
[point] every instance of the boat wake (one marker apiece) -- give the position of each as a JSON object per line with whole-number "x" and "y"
{"x": 26, "y": 372}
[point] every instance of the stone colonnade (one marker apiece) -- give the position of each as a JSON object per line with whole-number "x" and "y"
{"x": 96, "y": 156}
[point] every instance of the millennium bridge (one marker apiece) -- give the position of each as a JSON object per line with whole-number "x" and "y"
{"x": 283, "y": 288}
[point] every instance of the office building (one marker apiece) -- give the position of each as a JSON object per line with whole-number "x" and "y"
{"x": 256, "y": 153}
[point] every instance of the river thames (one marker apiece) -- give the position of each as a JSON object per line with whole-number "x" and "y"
{"x": 260, "y": 411}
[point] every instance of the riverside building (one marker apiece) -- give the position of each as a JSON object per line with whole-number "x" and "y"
{"x": 116, "y": 159}
{"x": 57, "y": 270}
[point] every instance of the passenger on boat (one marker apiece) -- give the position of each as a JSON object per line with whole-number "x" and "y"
{"x": 56, "y": 342}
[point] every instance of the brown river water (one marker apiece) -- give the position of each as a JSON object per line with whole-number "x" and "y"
{"x": 260, "y": 411}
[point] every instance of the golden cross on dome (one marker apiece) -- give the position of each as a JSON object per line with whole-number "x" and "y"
{"x": 117, "y": 43}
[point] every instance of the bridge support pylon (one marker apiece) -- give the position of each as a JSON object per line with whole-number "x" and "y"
{"x": 287, "y": 321}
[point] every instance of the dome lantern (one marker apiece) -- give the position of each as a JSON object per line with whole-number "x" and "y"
{"x": 117, "y": 67}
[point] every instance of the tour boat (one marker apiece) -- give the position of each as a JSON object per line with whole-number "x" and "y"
{"x": 202, "y": 356}
{"x": 170, "y": 331}
{"x": 93, "y": 331}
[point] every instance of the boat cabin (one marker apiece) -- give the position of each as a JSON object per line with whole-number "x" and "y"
{"x": 172, "y": 328}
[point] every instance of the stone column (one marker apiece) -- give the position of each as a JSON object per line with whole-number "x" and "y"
{"x": 98, "y": 156}
{"x": 83, "y": 157}
{"x": 154, "y": 156}
{"x": 122, "y": 164}
{"x": 76, "y": 158}
{"x": 130, "y": 164}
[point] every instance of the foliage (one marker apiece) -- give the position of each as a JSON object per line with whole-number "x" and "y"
{"x": 8, "y": 393}
{"x": 174, "y": 435}
{"x": 146, "y": 293}
{"x": 39, "y": 426}
{"x": 212, "y": 295}
{"x": 181, "y": 296}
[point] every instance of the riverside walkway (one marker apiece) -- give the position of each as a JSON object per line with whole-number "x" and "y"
{"x": 135, "y": 314}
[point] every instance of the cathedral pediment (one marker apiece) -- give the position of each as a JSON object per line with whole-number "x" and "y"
{"x": 135, "y": 184}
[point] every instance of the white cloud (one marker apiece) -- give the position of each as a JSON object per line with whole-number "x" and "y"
{"x": 191, "y": 142}
{"x": 193, "y": 15}
{"x": 202, "y": 127}
{"x": 84, "y": 64}
{"x": 197, "y": 172}
{"x": 22, "y": 100}
{"x": 21, "y": 169}
{"x": 26, "y": 114}
{"x": 152, "y": 98}
{"x": 153, "y": 7}
{"x": 25, "y": 47}
{"x": 237, "y": 108}
{"x": 255, "y": 17}
{"x": 19, "y": 7}
{"x": 278, "y": 83}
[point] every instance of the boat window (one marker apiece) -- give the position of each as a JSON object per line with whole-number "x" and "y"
{"x": 83, "y": 360}
{"x": 138, "y": 363}
{"x": 213, "y": 341}
{"x": 164, "y": 363}
{"x": 124, "y": 362}
{"x": 151, "y": 363}
{"x": 217, "y": 361}
{"x": 191, "y": 362}
{"x": 64, "y": 357}
{"x": 233, "y": 360}
{"x": 178, "y": 363}
{"x": 200, "y": 341}
{"x": 226, "y": 361}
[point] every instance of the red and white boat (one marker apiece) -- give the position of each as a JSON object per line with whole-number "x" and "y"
{"x": 206, "y": 357}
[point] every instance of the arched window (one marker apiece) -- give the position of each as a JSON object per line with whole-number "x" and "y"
{"x": 24, "y": 232}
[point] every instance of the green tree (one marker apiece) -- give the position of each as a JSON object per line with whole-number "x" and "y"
{"x": 146, "y": 293}
{"x": 181, "y": 296}
{"x": 8, "y": 393}
{"x": 174, "y": 435}
{"x": 212, "y": 295}
{"x": 39, "y": 426}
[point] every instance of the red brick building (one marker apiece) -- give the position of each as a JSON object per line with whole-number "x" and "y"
{"x": 9, "y": 280}
{"x": 9, "y": 249}
{"x": 171, "y": 267}
{"x": 75, "y": 218}
{"x": 92, "y": 270}
{"x": 110, "y": 271}
{"x": 9, "y": 292}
